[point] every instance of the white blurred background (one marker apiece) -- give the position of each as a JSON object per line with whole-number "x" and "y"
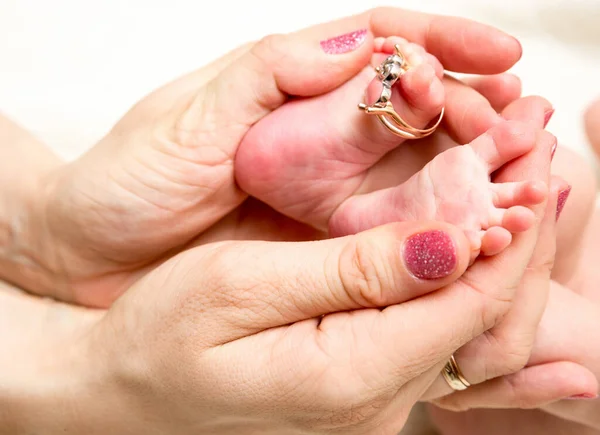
{"x": 70, "y": 68}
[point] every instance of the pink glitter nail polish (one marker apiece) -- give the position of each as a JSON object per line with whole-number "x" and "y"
{"x": 430, "y": 255}
{"x": 344, "y": 43}
{"x": 547, "y": 117}
{"x": 563, "y": 195}
{"x": 584, "y": 396}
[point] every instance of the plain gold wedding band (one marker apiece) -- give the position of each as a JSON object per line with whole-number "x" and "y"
{"x": 454, "y": 376}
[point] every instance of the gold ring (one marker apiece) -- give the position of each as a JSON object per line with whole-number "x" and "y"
{"x": 392, "y": 68}
{"x": 454, "y": 376}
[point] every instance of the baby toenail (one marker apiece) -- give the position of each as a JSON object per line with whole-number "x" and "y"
{"x": 430, "y": 255}
{"x": 563, "y": 195}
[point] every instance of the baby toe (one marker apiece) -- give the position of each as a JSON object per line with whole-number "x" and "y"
{"x": 495, "y": 240}
{"x": 510, "y": 194}
{"x": 504, "y": 143}
{"x": 378, "y": 43}
{"x": 517, "y": 219}
{"x": 422, "y": 93}
{"x": 435, "y": 64}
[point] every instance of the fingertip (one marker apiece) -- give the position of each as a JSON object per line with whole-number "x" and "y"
{"x": 517, "y": 138}
{"x": 512, "y": 82}
{"x": 435, "y": 251}
{"x": 531, "y": 109}
{"x": 579, "y": 379}
{"x": 510, "y": 47}
{"x": 326, "y": 60}
{"x": 422, "y": 89}
{"x": 546, "y": 141}
{"x": 436, "y": 64}
{"x": 537, "y": 192}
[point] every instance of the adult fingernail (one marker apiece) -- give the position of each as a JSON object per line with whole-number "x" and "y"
{"x": 553, "y": 150}
{"x": 563, "y": 195}
{"x": 547, "y": 117}
{"x": 430, "y": 255}
{"x": 344, "y": 43}
{"x": 584, "y": 396}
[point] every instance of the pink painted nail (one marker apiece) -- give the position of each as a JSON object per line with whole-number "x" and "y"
{"x": 344, "y": 43}
{"x": 430, "y": 255}
{"x": 563, "y": 195}
{"x": 547, "y": 117}
{"x": 553, "y": 150}
{"x": 584, "y": 396}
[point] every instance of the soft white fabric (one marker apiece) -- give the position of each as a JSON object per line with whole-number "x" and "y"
{"x": 70, "y": 68}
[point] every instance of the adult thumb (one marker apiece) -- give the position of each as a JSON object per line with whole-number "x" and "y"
{"x": 237, "y": 289}
{"x": 305, "y": 63}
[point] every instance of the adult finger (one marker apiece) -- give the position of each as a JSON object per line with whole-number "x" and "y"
{"x": 529, "y": 388}
{"x": 253, "y": 286}
{"x": 461, "y": 45}
{"x": 505, "y": 348}
{"x": 499, "y": 89}
{"x": 174, "y": 152}
{"x": 464, "y": 311}
{"x": 533, "y": 109}
{"x": 305, "y": 63}
{"x": 468, "y": 113}
{"x": 565, "y": 336}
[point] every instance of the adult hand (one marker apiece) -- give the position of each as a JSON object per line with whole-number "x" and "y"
{"x": 566, "y": 341}
{"x": 506, "y": 348}
{"x": 565, "y": 364}
{"x": 164, "y": 174}
{"x": 241, "y": 337}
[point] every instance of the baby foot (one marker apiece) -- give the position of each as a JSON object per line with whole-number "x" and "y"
{"x": 322, "y": 148}
{"x": 456, "y": 187}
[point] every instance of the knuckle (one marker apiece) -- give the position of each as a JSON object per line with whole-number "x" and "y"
{"x": 269, "y": 49}
{"x": 494, "y": 301}
{"x": 512, "y": 353}
{"x": 365, "y": 273}
{"x": 379, "y": 12}
{"x": 516, "y": 396}
{"x": 543, "y": 261}
{"x": 451, "y": 403}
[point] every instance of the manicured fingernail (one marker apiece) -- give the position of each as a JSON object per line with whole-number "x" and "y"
{"x": 430, "y": 255}
{"x": 344, "y": 43}
{"x": 563, "y": 195}
{"x": 584, "y": 396}
{"x": 547, "y": 117}
{"x": 553, "y": 150}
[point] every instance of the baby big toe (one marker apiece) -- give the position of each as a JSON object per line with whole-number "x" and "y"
{"x": 422, "y": 95}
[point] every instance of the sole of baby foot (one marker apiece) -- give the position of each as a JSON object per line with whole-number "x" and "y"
{"x": 456, "y": 187}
